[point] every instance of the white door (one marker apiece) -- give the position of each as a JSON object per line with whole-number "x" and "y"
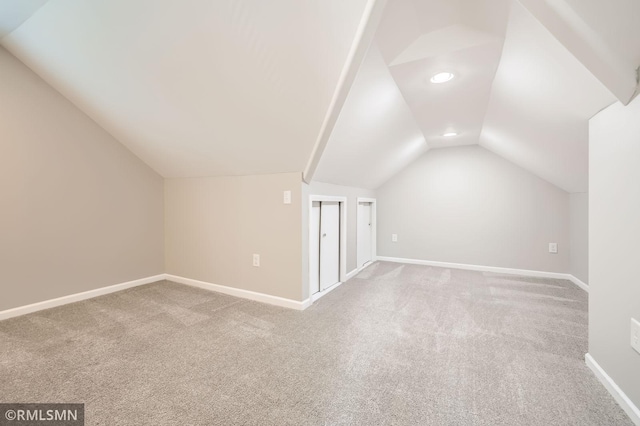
{"x": 329, "y": 244}
{"x": 314, "y": 251}
{"x": 365, "y": 234}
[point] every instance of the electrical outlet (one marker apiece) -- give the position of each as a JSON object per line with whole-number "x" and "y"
{"x": 635, "y": 334}
{"x": 256, "y": 260}
{"x": 394, "y": 238}
{"x": 553, "y": 247}
{"x": 287, "y": 197}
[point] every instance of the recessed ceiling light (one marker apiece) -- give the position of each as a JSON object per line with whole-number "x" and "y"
{"x": 442, "y": 77}
{"x": 450, "y": 134}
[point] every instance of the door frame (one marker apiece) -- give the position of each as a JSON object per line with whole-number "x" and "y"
{"x": 374, "y": 246}
{"x": 342, "y": 201}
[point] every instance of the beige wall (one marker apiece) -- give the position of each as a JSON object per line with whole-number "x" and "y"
{"x": 468, "y": 205}
{"x": 579, "y": 235}
{"x": 352, "y": 194}
{"x": 614, "y": 242}
{"x": 304, "y": 248}
{"x": 213, "y": 226}
{"x": 78, "y": 211}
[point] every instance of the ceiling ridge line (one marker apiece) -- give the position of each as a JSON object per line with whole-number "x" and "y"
{"x": 362, "y": 40}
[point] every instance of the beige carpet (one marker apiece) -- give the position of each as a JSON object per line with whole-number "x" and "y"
{"x": 397, "y": 345}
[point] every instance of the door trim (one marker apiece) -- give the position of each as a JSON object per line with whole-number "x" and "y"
{"x": 342, "y": 201}
{"x": 374, "y": 226}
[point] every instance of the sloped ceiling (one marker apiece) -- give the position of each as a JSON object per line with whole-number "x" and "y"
{"x": 460, "y": 36}
{"x": 13, "y": 13}
{"x": 603, "y": 35}
{"x": 415, "y": 40}
{"x": 376, "y": 135}
{"x": 196, "y": 88}
{"x": 231, "y": 87}
{"x": 541, "y": 101}
{"x": 616, "y": 21}
{"x": 518, "y": 90}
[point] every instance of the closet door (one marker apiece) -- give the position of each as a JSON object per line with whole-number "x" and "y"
{"x": 365, "y": 231}
{"x": 329, "y": 244}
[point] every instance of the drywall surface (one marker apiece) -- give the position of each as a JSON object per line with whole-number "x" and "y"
{"x": 468, "y": 205}
{"x": 614, "y": 242}
{"x": 214, "y": 226}
{"x": 352, "y": 194}
{"x": 579, "y": 235}
{"x": 304, "y": 249}
{"x": 198, "y": 88}
{"x": 78, "y": 210}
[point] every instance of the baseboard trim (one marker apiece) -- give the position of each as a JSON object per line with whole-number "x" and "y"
{"x": 352, "y": 274}
{"x": 358, "y": 270}
{"x": 482, "y": 268}
{"x": 326, "y": 291}
{"x": 244, "y": 294}
{"x": 579, "y": 283}
{"x": 305, "y": 304}
{"x": 77, "y": 297}
{"x": 621, "y": 398}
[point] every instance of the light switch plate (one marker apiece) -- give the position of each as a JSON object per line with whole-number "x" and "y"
{"x": 635, "y": 334}
{"x": 287, "y": 197}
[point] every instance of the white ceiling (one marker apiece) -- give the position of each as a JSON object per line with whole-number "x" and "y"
{"x": 518, "y": 91}
{"x": 603, "y": 35}
{"x": 376, "y": 135}
{"x": 541, "y": 101}
{"x": 459, "y": 105}
{"x": 616, "y": 21}
{"x": 197, "y": 88}
{"x": 13, "y": 13}
{"x": 200, "y": 88}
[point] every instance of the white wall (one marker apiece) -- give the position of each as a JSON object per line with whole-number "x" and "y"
{"x": 579, "y": 235}
{"x": 78, "y": 211}
{"x": 213, "y": 227}
{"x": 614, "y": 242}
{"x": 468, "y": 205}
{"x": 352, "y": 194}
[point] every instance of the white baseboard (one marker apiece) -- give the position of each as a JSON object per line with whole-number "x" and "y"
{"x": 245, "y": 294}
{"x": 482, "y": 268}
{"x": 266, "y": 298}
{"x": 350, "y": 275}
{"x": 621, "y": 398}
{"x": 324, "y": 292}
{"x": 579, "y": 283}
{"x": 358, "y": 270}
{"x": 64, "y": 300}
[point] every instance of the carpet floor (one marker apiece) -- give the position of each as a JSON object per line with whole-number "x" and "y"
{"x": 396, "y": 345}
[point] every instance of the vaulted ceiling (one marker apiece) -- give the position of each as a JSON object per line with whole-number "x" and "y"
{"x": 232, "y": 87}
{"x": 518, "y": 90}
{"x": 14, "y": 13}
{"x": 194, "y": 88}
{"x": 541, "y": 101}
